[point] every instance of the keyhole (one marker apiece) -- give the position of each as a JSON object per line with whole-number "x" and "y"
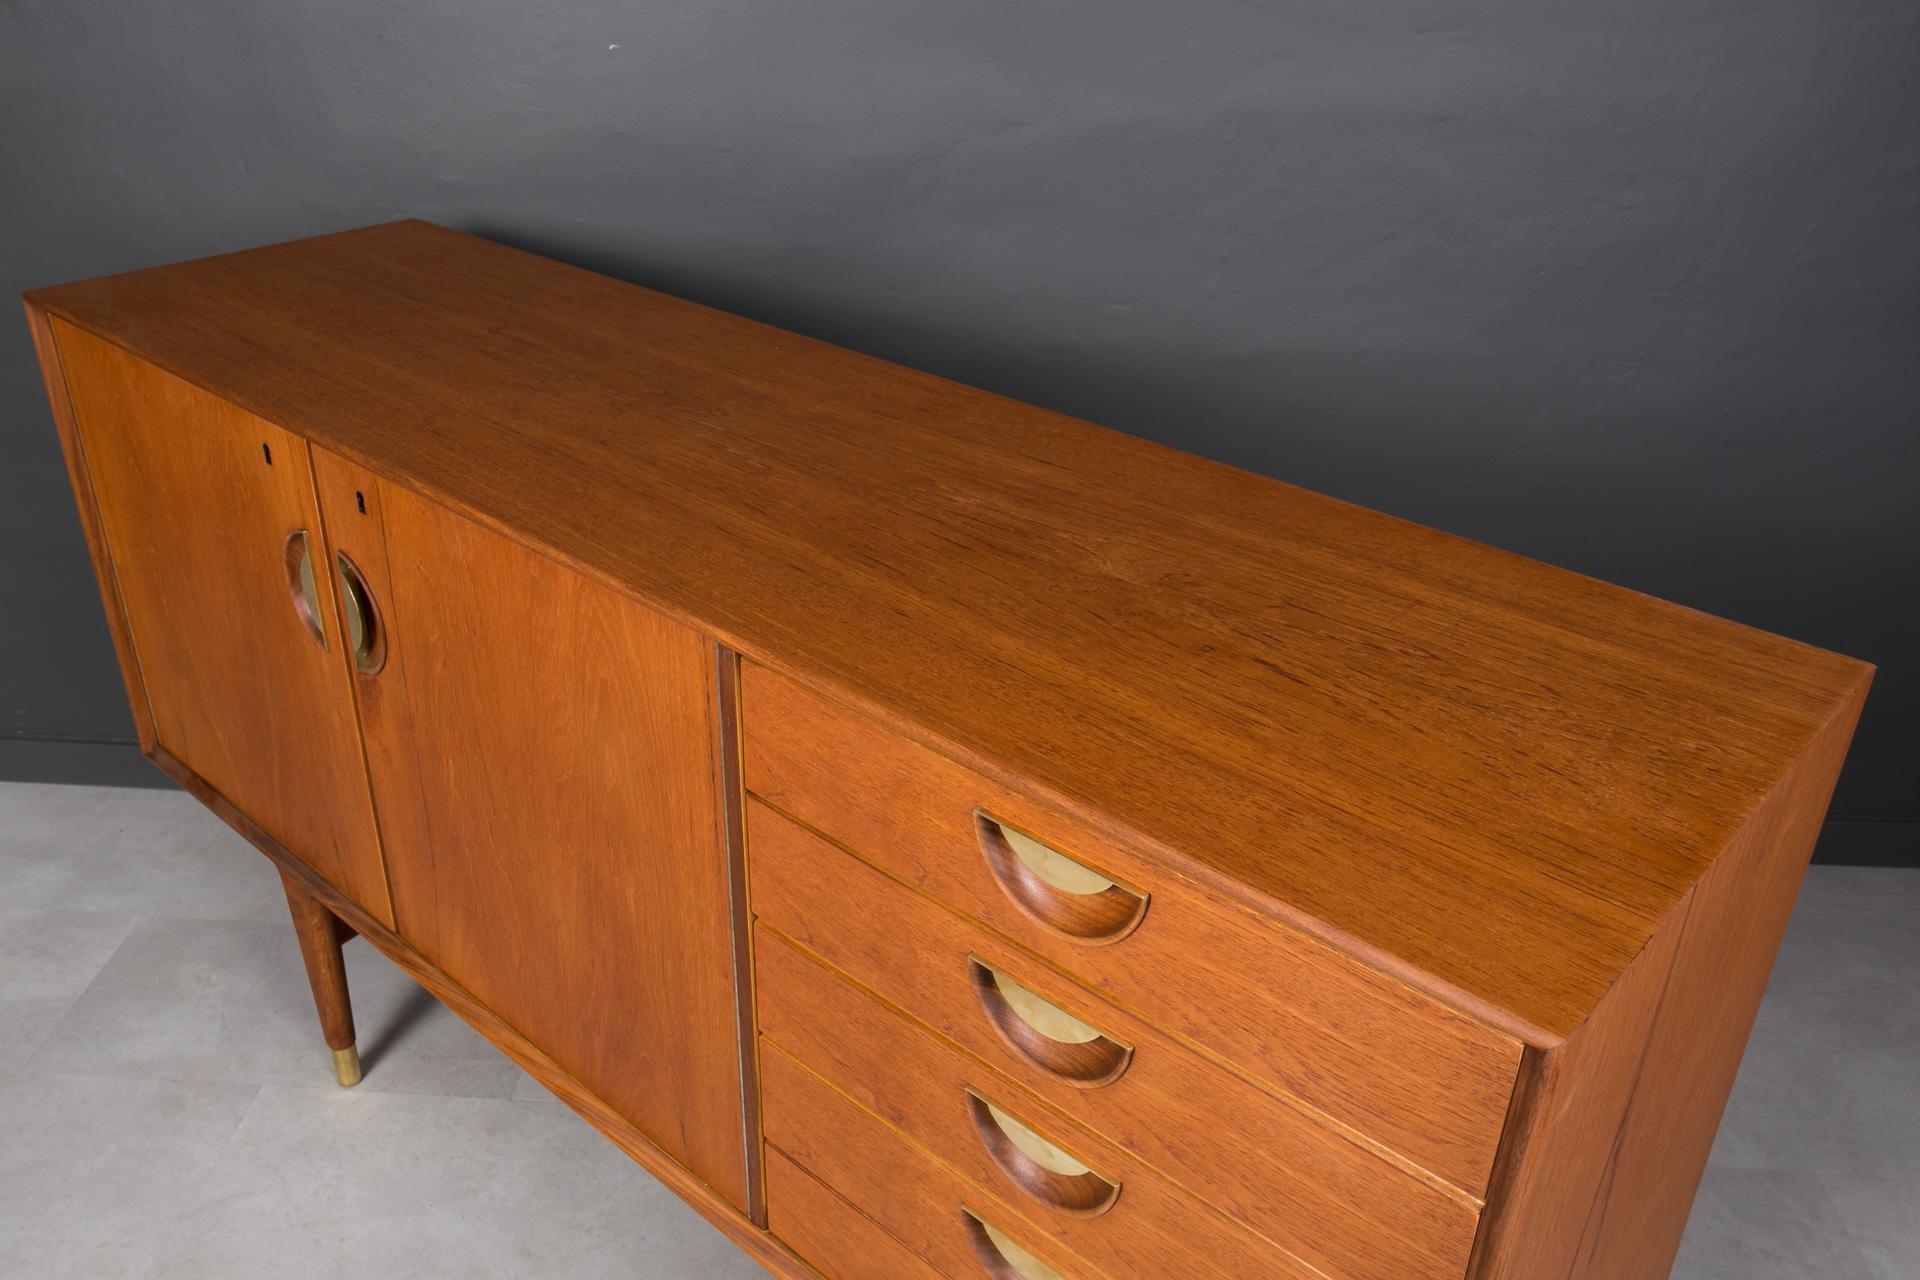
{"x": 360, "y": 500}
{"x": 266, "y": 450}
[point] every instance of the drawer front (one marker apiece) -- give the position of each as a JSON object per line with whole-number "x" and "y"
{"x": 1422, "y": 1079}
{"x": 982, "y": 1124}
{"x": 1256, "y": 1158}
{"x": 836, "y": 1238}
{"x": 940, "y": 1214}
{"x": 208, "y": 516}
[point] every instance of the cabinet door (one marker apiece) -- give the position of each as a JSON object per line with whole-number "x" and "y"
{"x": 209, "y": 519}
{"x": 543, "y": 755}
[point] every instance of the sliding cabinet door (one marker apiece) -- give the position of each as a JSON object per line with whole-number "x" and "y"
{"x": 211, "y": 528}
{"x": 544, "y": 765}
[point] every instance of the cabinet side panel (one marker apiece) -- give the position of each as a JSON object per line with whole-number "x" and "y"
{"x": 1739, "y": 916}
{"x": 1554, "y": 1167}
{"x": 1601, "y": 1178}
{"x": 71, "y": 447}
{"x": 555, "y": 837}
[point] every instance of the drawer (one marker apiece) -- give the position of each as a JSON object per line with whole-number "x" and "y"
{"x": 1282, "y": 1172}
{"x": 942, "y": 1217}
{"x": 982, "y": 1123}
{"x": 1408, "y": 1072}
{"x": 836, "y": 1238}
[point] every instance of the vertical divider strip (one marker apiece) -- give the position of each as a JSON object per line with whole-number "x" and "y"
{"x": 728, "y": 745}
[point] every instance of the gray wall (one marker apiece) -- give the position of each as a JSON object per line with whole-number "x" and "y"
{"x": 1633, "y": 287}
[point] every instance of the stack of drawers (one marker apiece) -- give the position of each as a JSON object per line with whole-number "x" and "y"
{"x": 993, "y": 1044}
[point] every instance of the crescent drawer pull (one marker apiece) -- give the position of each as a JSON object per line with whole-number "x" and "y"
{"x": 1001, "y": 1256}
{"x": 1065, "y": 895}
{"x": 1038, "y": 1167}
{"x": 1045, "y": 1035}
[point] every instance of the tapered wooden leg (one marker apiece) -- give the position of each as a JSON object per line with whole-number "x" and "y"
{"x": 321, "y": 934}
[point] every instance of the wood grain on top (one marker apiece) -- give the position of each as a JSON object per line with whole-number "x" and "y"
{"x": 1489, "y": 776}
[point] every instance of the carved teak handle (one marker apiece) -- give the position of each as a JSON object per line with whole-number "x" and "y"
{"x": 1065, "y": 895}
{"x": 1038, "y": 1167}
{"x": 1046, "y": 1036}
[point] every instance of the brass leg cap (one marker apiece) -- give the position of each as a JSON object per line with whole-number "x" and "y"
{"x": 346, "y": 1066}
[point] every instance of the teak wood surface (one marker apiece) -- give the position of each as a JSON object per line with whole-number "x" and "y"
{"x": 717, "y": 1209}
{"x": 321, "y": 934}
{"x": 546, "y": 781}
{"x": 817, "y": 1222}
{"x": 1422, "y": 1079}
{"x": 196, "y": 501}
{"x": 1493, "y": 778}
{"x": 917, "y": 1198}
{"x": 1250, "y": 1155}
{"x": 918, "y": 1080}
{"x": 1612, "y": 1130}
{"x": 630, "y": 559}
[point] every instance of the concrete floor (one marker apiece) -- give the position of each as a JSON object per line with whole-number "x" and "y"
{"x": 166, "y": 1107}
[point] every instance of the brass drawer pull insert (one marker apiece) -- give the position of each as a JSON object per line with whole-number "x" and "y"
{"x": 1039, "y": 1168}
{"x": 1002, "y": 1257}
{"x": 366, "y": 633}
{"x": 1046, "y": 1035}
{"x": 297, "y": 557}
{"x": 1064, "y": 895}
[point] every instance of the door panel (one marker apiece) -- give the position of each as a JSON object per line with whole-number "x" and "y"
{"x": 543, "y": 765}
{"x": 197, "y": 500}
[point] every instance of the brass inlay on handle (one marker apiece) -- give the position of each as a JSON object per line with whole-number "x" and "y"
{"x": 1060, "y": 892}
{"x": 1001, "y": 1255}
{"x": 1044, "y": 1034}
{"x": 366, "y": 632}
{"x": 296, "y": 556}
{"x": 1038, "y": 1167}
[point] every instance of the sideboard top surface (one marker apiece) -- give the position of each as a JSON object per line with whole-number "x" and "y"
{"x": 1491, "y": 776}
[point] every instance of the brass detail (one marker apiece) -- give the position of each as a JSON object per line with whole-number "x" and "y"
{"x": 1003, "y": 1256}
{"x": 1033, "y": 1163}
{"x": 297, "y": 558}
{"x": 366, "y": 632}
{"x": 346, "y": 1066}
{"x": 1056, "y": 890}
{"x": 1044, "y": 1016}
{"x": 1044, "y": 1034}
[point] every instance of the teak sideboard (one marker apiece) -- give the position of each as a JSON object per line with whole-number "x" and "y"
{"x": 935, "y": 836}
